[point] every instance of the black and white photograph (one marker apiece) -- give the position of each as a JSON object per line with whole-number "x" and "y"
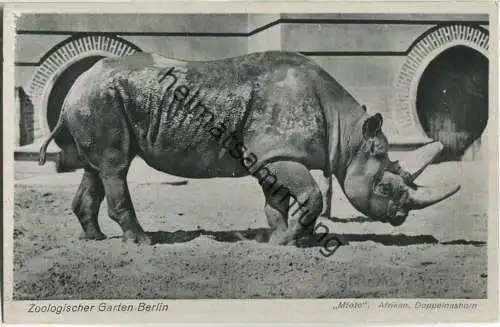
{"x": 251, "y": 156}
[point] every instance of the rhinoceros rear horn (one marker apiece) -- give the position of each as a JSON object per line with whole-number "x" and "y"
{"x": 416, "y": 161}
{"x": 424, "y": 196}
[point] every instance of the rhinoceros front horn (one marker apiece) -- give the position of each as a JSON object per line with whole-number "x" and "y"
{"x": 416, "y": 161}
{"x": 425, "y": 196}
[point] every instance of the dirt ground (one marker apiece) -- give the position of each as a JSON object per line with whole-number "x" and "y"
{"x": 208, "y": 244}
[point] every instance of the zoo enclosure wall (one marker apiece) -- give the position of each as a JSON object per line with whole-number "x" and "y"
{"x": 382, "y": 60}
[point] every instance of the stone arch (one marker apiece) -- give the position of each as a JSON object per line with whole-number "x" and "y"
{"x": 60, "y": 59}
{"x": 421, "y": 53}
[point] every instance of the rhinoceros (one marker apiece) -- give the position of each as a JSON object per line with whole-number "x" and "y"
{"x": 272, "y": 115}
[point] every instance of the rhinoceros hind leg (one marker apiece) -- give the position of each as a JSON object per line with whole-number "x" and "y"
{"x": 121, "y": 208}
{"x": 86, "y": 205}
{"x": 290, "y": 187}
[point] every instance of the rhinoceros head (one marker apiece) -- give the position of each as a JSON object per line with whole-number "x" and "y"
{"x": 383, "y": 189}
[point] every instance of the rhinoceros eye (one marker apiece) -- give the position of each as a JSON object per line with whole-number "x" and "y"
{"x": 385, "y": 189}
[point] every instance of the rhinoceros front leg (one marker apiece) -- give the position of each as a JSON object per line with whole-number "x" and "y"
{"x": 277, "y": 215}
{"x": 325, "y": 185}
{"x": 290, "y": 189}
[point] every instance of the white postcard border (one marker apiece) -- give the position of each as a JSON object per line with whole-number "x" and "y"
{"x": 299, "y": 310}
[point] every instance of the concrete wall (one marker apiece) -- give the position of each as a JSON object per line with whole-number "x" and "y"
{"x": 367, "y": 75}
{"x": 164, "y": 34}
{"x": 260, "y": 39}
{"x": 144, "y": 23}
{"x": 365, "y": 53}
{"x": 24, "y": 118}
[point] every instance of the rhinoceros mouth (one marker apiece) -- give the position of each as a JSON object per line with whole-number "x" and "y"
{"x": 392, "y": 194}
{"x": 404, "y": 194}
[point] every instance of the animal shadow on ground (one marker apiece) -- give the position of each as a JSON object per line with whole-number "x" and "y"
{"x": 181, "y": 236}
{"x": 359, "y": 219}
{"x": 261, "y": 235}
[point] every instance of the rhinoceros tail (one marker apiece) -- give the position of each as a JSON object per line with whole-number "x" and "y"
{"x": 43, "y": 149}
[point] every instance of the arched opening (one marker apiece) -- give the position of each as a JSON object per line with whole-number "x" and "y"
{"x": 61, "y": 88}
{"x": 452, "y": 99}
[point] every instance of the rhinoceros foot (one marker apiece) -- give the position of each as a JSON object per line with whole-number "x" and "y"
{"x": 140, "y": 238}
{"x": 398, "y": 220}
{"x": 92, "y": 235}
{"x": 292, "y": 237}
{"x": 285, "y": 238}
{"x": 278, "y": 239}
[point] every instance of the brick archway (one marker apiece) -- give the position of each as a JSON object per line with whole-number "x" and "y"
{"x": 60, "y": 59}
{"x": 422, "y": 52}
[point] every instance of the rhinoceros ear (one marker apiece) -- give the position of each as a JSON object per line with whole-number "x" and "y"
{"x": 372, "y": 125}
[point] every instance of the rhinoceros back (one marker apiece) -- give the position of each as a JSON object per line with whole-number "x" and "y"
{"x": 179, "y": 113}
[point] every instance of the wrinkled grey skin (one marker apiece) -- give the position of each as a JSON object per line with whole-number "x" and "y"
{"x": 275, "y": 110}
